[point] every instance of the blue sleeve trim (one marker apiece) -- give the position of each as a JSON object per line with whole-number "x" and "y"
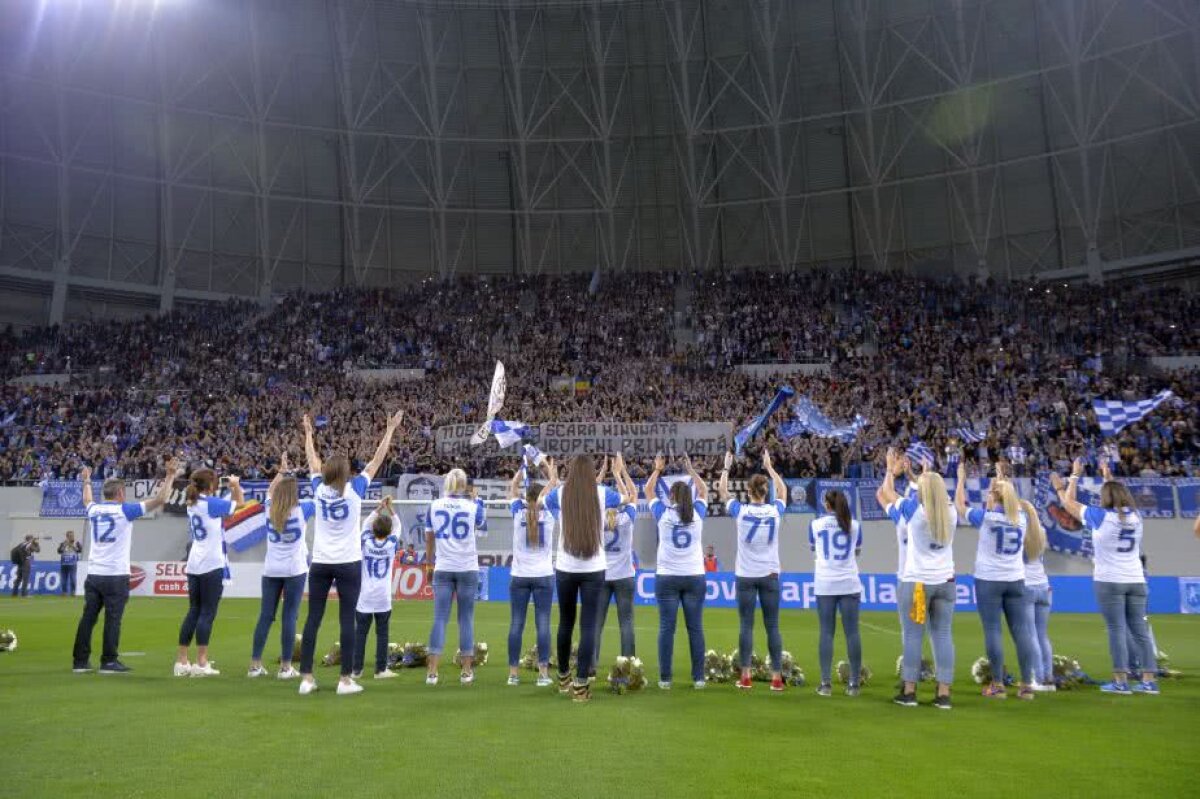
{"x": 630, "y": 511}
{"x": 218, "y": 507}
{"x": 1093, "y": 517}
{"x": 908, "y": 507}
{"x": 611, "y": 498}
{"x": 516, "y": 506}
{"x": 658, "y": 509}
{"x": 781, "y": 506}
{"x": 132, "y": 510}
{"x": 316, "y": 483}
{"x": 552, "y": 501}
{"x": 308, "y": 508}
{"x": 734, "y": 508}
{"x": 975, "y": 517}
{"x": 893, "y": 512}
{"x": 701, "y": 508}
{"x": 360, "y": 484}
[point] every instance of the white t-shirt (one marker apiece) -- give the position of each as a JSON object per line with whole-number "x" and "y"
{"x": 757, "y": 537}
{"x": 618, "y": 544}
{"x": 455, "y": 521}
{"x": 1001, "y": 551}
{"x": 680, "y": 550}
{"x": 378, "y": 560}
{"x": 835, "y": 558}
{"x": 335, "y": 534}
{"x": 1035, "y": 573}
{"x": 1117, "y": 545}
{"x": 208, "y": 536}
{"x": 110, "y": 525}
{"x": 287, "y": 551}
{"x": 536, "y": 560}
{"x": 607, "y": 498}
{"x": 925, "y": 561}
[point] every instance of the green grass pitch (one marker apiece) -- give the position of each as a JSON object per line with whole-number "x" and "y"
{"x": 150, "y": 734}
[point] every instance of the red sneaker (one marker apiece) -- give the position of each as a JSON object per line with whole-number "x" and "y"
{"x": 744, "y": 682}
{"x": 777, "y": 684}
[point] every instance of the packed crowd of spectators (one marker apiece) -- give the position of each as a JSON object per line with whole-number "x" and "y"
{"x": 228, "y": 384}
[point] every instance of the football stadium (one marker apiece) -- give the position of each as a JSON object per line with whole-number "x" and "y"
{"x": 706, "y": 398}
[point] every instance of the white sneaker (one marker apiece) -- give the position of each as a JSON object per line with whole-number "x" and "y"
{"x": 467, "y": 677}
{"x": 514, "y": 679}
{"x": 543, "y": 680}
{"x": 307, "y": 687}
{"x": 699, "y": 685}
{"x": 385, "y": 675}
{"x": 183, "y": 669}
{"x": 1044, "y": 688}
{"x": 206, "y": 670}
{"x": 257, "y": 671}
{"x": 664, "y": 685}
{"x": 431, "y": 679}
{"x": 289, "y": 673}
{"x": 356, "y": 675}
{"x": 347, "y": 688}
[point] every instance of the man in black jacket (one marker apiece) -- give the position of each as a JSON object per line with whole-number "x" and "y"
{"x": 22, "y": 558}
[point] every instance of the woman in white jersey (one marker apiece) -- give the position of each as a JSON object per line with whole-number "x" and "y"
{"x": 1118, "y": 577}
{"x": 758, "y": 524}
{"x": 1037, "y": 613}
{"x": 927, "y": 585}
{"x": 532, "y": 576}
{"x": 836, "y": 541}
{"x": 903, "y": 466}
{"x": 455, "y": 519}
{"x": 679, "y": 573}
{"x": 1008, "y": 528}
{"x": 337, "y": 549}
{"x": 285, "y": 570}
{"x": 578, "y": 504}
{"x": 619, "y": 579}
{"x": 205, "y": 567}
{"x": 379, "y": 546}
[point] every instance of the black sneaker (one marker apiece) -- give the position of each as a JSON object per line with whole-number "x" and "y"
{"x": 82, "y": 668}
{"x": 907, "y": 700}
{"x": 116, "y": 667}
{"x": 942, "y": 702}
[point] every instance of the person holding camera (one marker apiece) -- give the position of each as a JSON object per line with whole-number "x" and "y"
{"x": 68, "y": 561}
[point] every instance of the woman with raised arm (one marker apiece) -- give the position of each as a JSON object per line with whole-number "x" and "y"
{"x": 1118, "y": 578}
{"x": 206, "y": 564}
{"x": 532, "y": 575}
{"x": 1008, "y": 528}
{"x": 285, "y": 569}
{"x": 836, "y": 541}
{"x": 619, "y": 571}
{"x": 578, "y": 504}
{"x": 337, "y": 550}
{"x": 758, "y": 524}
{"x": 927, "y": 586}
{"x": 679, "y": 573}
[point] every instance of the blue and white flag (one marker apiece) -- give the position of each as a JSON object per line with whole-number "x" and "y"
{"x": 810, "y": 419}
{"x": 1115, "y": 415}
{"x": 919, "y": 452}
{"x": 968, "y": 435}
{"x": 594, "y": 284}
{"x": 508, "y": 433}
{"x": 782, "y": 395}
{"x": 534, "y": 455}
{"x": 321, "y": 421}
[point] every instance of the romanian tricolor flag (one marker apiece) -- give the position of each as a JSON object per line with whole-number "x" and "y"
{"x": 247, "y": 526}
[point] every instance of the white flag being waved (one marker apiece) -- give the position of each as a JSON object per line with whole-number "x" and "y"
{"x": 495, "y": 403}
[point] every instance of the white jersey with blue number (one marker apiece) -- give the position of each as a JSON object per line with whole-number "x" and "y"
{"x": 925, "y": 560}
{"x": 335, "y": 534}
{"x": 287, "y": 551}
{"x": 378, "y": 560}
{"x": 1035, "y": 573}
{"x": 901, "y": 533}
{"x": 618, "y": 542}
{"x": 109, "y": 528}
{"x": 680, "y": 550}
{"x": 835, "y": 558}
{"x": 455, "y": 521}
{"x": 532, "y": 560}
{"x": 207, "y": 553}
{"x": 1117, "y": 543}
{"x": 757, "y": 537}
{"x": 1001, "y": 551}
{"x": 566, "y": 562}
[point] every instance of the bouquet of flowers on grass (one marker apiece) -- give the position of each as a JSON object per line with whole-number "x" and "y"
{"x": 334, "y": 656}
{"x": 843, "y": 673}
{"x": 408, "y": 655}
{"x": 927, "y": 673}
{"x": 792, "y": 673}
{"x": 8, "y": 641}
{"x": 627, "y": 674}
{"x": 481, "y": 655}
{"x": 718, "y": 667}
{"x": 529, "y": 660}
{"x": 1068, "y": 674}
{"x": 981, "y": 672}
{"x": 1163, "y": 661}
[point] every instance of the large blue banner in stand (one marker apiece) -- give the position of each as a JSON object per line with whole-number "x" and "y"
{"x": 1072, "y": 594}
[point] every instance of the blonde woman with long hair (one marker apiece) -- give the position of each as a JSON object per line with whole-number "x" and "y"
{"x": 927, "y": 587}
{"x": 1008, "y": 530}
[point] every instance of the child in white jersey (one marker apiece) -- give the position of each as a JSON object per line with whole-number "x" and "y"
{"x": 619, "y": 569}
{"x": 379, "y": 547}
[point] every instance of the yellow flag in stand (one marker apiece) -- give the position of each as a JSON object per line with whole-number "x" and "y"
{"x": 917, "y": 611}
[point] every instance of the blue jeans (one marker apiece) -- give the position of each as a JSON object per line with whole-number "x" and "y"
{"x": 66, "y": 573}
{"x": 623, "y": 590}
{"x": 1037, "y": 614}
{"x": 671, "y": 591}
{"x": 292, "y": 591}
{"x": 764, "y": 590}
{"x": 1123, "y": 606}
{"x": 520, "y": 591}
{"x": 827, "y": 610}
{"x": 939, "y": 618}
{"x": 999, "y": 600}
{"x": 446, "y": 586}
